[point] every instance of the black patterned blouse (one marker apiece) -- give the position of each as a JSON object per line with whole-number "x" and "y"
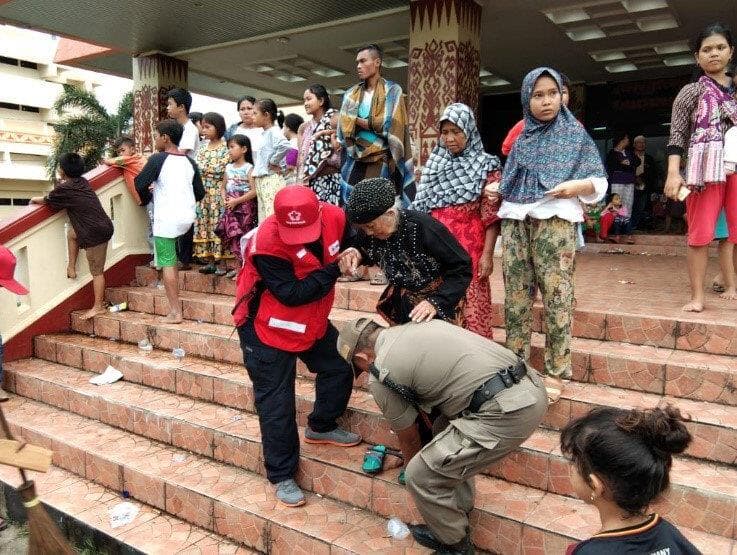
{"x": 421, "y": 251}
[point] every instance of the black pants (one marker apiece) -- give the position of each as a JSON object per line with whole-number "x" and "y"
{"x": 640, "y": 209}
{"x": 272, "y": 372}
{"x": 185, "y": 244}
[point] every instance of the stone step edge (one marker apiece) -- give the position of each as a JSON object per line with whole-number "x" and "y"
{"x": 77, "y": 527}
{"x": 647, "y": 354}
{"x": 27, "y": 427}
{"x": 656, "y": 398}
{"x": 175, "y": 388}
{"x": 105, "y": 456}
{"x": 524, "y": 457}
{"x": 113, "y": 294}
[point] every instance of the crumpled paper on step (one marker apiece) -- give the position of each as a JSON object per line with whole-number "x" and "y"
{"x": 122, "y": 514}
{"x": 110, "y": 375}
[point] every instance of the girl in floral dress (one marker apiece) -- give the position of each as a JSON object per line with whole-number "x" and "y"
{"x": 211, "y": 159}
{"x": 239, "y": 197}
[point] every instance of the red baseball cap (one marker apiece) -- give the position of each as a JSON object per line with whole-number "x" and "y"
{"x": 7, "y": 271}
{"x": 297, "y": 212}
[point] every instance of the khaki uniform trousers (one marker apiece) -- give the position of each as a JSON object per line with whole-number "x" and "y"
{"x": 441, "y": 476}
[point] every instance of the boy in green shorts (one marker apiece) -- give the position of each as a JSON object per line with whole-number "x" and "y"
{"x": 174, "y": 182}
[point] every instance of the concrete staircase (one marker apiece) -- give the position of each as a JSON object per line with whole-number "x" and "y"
{"x": 181, "y": 436}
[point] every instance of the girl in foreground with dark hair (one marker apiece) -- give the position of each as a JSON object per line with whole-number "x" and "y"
{"x": 621, "y": 464}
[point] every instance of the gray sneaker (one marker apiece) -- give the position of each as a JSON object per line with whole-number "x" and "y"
{"x": 341, "y": 438}
{"x": 289, "y": 493}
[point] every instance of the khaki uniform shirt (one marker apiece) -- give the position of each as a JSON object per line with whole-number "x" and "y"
{"x": 444, "y": 365}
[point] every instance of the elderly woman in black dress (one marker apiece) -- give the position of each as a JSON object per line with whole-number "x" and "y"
{"x": 427, "y": 269}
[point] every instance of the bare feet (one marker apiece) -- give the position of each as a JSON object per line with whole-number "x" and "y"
{"x": 693, "y": 306}
{"x": 92, "y": 312}
{"x": 71, "y": 272}
{"x": 173, "y": 318}
{"x": 630, "y": 240}
{"x": 729, "y": 294}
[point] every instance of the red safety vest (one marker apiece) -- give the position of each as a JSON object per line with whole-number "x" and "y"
{"x": 290, "y": 328}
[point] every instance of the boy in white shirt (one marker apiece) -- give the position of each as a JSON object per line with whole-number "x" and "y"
{"x": 174, "y": 180}
{"x": 178, "y": 104}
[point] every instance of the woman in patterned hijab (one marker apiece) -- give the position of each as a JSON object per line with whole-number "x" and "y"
{"x": 451, "y": 190}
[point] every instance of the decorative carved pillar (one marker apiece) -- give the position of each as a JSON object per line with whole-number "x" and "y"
{"x": 444, "y": 64}
{"x": 153, "y": 77}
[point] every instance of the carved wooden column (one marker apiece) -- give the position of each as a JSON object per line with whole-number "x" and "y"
{"x": 444, "y": 64}
{"x": 153, "y": 77}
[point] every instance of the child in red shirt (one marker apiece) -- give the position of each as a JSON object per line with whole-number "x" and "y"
{"x": 130, "y": 161}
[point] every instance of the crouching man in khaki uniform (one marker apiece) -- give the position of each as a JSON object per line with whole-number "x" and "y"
{"x": 492, "y": 400}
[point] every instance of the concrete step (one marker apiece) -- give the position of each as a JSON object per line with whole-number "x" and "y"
{"x": 509, "y": 518}
{"x": 233, "y": 437}
{"x": 635, "y": 316}
{"x": 229, "y": 501}
{"x": 87, "y": 503}
{"x": 714, "y": 425}
{"x": 652, "y": 369}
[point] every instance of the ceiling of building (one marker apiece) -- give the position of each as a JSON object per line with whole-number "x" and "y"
{"x": 280, "y": 50}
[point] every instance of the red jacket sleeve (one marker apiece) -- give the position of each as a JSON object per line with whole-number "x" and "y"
{"x": 511, "y": 137}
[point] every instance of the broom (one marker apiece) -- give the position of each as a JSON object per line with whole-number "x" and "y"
{"x": 44, "y": 536}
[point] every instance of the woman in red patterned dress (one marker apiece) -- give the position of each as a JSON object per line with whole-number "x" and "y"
{"x": 451, "y": 189}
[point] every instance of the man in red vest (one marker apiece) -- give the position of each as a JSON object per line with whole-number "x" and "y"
{"x": 283, "y": 299}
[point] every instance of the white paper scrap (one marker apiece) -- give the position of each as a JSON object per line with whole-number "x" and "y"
{"x": 110, "y": 375}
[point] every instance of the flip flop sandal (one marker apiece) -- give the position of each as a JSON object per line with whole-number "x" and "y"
{"x": 209, "y": 269}
{"x": 717, "y": 287}
{"x": 379, "y": 279}
{"x": 220, "y": 271}
{"x": 231, "y": 274}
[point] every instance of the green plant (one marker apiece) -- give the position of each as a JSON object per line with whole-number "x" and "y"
{"x": 86, "y": 127}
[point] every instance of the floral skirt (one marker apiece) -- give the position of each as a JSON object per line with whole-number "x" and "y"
{"x": 206, "y": 243}
{"x": 396, "y": 303}
{"x": 266, "y": 188}
{"x": 235, "y": 223}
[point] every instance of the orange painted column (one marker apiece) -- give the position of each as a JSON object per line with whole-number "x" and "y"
{"x": 153, "y": 77}
{"x": 444, "y": 64}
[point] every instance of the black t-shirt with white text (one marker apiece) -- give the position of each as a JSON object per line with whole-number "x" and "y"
{"x": 653, "y": 537}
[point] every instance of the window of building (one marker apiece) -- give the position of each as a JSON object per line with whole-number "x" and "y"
{"x": 33, "y": 109}
{"x": 9, "y": 61}
{"x": 5, "y": 202}
{"x": 29, "y": 65}
{"x": 21, "y": 201}
{"x": 9, "y": 106}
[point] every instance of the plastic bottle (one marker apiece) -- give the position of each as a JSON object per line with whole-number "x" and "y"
{"x": 120, "y": 307}
{"x": 397, "y": 529}
{"x": 178, "y": 353}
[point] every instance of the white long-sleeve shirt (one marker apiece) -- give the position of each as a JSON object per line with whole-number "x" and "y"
{"x": 274, "y": 146}
{"x": 547, "y": 207}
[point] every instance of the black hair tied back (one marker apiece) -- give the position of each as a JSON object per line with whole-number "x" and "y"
{"x": 661, "y": 428}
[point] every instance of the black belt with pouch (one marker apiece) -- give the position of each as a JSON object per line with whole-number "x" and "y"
{"x": 504, "y": 379}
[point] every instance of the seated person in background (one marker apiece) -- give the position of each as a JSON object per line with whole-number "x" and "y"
{"x": 621, "y": 461}
{"x": 615, "y": 220}
{"x": 592, "y": 219}
{"x": 91, "y": 226}
{"x": 427, "y": 269}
